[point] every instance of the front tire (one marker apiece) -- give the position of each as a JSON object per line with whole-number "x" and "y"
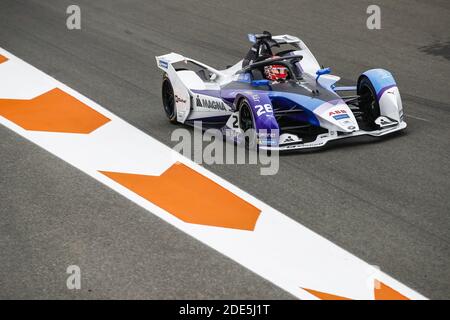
{"x": 168, "y": 99}
{"x": 368, "y": 102}
{"x": 247, "y": 124}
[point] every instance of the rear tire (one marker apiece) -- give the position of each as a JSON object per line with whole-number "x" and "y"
{"x": 368, "y": 102}
{"x": 168, "y": 98}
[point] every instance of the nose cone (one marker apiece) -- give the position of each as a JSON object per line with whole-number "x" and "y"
{"x": 336, "y": 115}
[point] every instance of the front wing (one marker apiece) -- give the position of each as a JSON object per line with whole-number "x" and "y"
{"x": 323, "y": 139}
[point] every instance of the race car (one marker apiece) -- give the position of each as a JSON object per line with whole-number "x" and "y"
{"x": 279, "y": 98}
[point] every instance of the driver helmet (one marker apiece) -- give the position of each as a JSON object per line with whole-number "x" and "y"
{"x": 275, "y": 72}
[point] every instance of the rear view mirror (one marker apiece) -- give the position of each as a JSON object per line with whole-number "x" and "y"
{"x": 322, "y": 72}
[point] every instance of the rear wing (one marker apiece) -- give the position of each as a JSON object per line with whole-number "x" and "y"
{"x": 166, "y": 60}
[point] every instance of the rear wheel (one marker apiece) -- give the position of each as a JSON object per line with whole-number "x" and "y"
{"x": 368, "y": 103}
{"x": 247, "y": 124}
{"x": 168, "y": 98}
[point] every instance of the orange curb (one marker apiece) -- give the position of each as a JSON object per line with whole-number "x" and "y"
{"x": 54, "y": 111}
{"x": 191, "y": 197}
{"x": 381, "y": 292}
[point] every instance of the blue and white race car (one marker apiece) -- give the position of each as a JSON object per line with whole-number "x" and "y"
{"x": 279, "y": 98}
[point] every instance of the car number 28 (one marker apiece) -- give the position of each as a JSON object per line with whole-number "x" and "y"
{"x": 262, "y": 109}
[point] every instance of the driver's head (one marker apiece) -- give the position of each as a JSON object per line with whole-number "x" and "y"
{"x": 275, "y": 72}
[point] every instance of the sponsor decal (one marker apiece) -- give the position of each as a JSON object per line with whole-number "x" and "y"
{"x": 178, "y": 99}
{"x": 339, "y": 114}
{"x": 199, "y": 102}
{"x": 266, "y": 142}
{"x": 210, "y": 104}
{"x": 163, "y": 64}
{"x": 267, "y": 138}
{"x": 272, "y": 135}
{"x": 289, "y": 139}
{"x": 334, "y": 112}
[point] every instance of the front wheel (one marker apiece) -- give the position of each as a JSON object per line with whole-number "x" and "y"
{"x": 368, "y": 102}
{"x": 168, "y": 99}
{"x": 247, "y": 124}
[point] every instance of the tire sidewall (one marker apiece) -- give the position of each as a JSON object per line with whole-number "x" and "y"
{"x": 172, "y": 117}
{"x": 373, "y": 114}
{"x": 251, "y": 143}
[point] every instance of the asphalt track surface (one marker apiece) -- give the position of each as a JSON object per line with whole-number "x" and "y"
{"x": 386, "y": 201}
